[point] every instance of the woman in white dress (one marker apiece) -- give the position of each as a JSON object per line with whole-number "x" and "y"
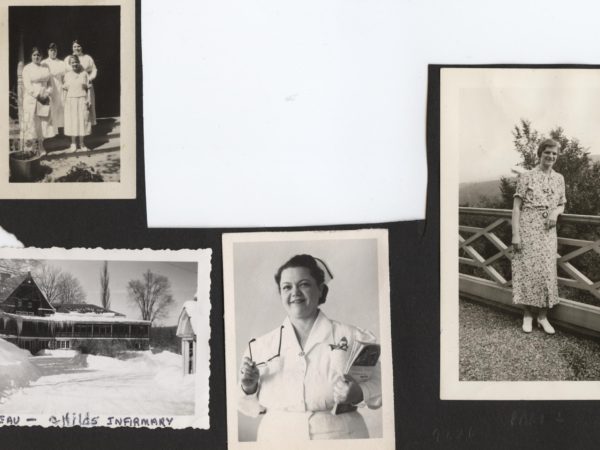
{"x": 57, "y": 70}
{"x": 88, "y": 65}
{"x": 294, "y": 375}
{"x": 37, "y": 119}
{"x": 76, "y": 96}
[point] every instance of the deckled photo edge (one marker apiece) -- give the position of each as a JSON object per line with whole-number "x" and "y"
{"x": 71, "y": 416}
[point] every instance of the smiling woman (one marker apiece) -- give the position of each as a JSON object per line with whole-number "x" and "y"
{"x": 297, "y": 388}
{"x": 539, "y": 200}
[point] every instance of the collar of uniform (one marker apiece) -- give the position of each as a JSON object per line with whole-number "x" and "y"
{"x": 322, "y": 331}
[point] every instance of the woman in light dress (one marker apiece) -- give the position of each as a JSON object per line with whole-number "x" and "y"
{"x": 57, "y": 70}
{"x": 37, "y": 118}
{"x": 76, "y": 97}
{"x": 88, "y": 66}
{"x": 538, "y": 201}
{"x": 293, "y": 375}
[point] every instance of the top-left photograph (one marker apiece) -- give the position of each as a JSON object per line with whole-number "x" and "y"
{"x": 69, "y": 84}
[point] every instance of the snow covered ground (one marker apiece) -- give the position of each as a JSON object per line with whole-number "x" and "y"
{"x": 140, "y": 383}
{"x": 15, "y": 369}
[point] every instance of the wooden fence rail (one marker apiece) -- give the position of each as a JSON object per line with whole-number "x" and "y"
{"x": 497, "y": 289}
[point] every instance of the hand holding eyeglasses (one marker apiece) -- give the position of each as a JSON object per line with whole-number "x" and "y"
{"x": 347, "y": 391}
{"x": 250, "y": 375}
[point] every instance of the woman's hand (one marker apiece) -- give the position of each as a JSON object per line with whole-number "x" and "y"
{"x": 551, "y": 221}
{"x": 347, "y": 391}
{"x": 250, "y": 376}
{"x": 516, "y": 243}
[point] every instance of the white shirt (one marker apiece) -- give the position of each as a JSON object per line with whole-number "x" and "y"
{"x": 301, "y": 380}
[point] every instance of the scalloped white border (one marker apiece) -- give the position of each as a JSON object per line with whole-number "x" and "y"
{"x": 202, "y": 257}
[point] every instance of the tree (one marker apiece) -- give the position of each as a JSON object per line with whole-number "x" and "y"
{"x": 70, "y": 290}
{"x": 58, "y": 286}
{"x": 48, "y": 278}
{"x": 104, "y": 286}
{"x": 582, "y": 180}
{"x": 152, "y": 295}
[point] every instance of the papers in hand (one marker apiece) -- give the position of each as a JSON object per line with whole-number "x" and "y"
{"x": 360, "y": 365}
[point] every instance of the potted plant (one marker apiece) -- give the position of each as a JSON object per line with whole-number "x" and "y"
{"x": 24, "y": 154}
{"x": 24, "y": 162}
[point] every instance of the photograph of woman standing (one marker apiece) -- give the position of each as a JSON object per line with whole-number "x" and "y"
{"x": 538, "y": 201}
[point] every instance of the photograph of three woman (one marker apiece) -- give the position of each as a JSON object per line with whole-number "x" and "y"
{"x": 70, "y": 75}
{"x": 59, "y": 95}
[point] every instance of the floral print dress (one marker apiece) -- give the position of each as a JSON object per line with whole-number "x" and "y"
{"x": 534, "y": 267}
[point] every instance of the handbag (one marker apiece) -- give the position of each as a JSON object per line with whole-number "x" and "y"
{"x": 41, "y": 109}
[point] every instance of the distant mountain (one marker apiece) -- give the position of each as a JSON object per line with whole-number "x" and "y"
{"x": 471, "y": 193}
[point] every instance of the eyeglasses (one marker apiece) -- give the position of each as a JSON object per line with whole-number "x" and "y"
{"x": 264, "y": 363}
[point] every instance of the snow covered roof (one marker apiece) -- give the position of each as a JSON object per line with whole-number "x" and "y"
{"x": 80, "y": 317}
{"x": 84, "y": 308}
{"x": 188, "y": 318}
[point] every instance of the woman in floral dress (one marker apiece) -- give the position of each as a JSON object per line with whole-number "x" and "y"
{"x": 538, "y": 201}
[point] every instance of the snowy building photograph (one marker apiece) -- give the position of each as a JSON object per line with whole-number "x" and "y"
{"x": 103, "y": 336}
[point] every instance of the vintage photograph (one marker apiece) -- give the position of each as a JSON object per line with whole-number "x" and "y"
{"x": 308, "y": 341}
{"x": 104, "y": 338}
{"x": 70, "y": 80}
{"x": 521, "y": 174}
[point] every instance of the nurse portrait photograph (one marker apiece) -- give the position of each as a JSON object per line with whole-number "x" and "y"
{"x": 308, "y": 339}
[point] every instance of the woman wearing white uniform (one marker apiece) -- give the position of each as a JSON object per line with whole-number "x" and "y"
{"x": 76, "y": 97}
{"x": 88, "y": 65}
{"x": 57, "y": 70}
{"x": 294, "y": 375}
{"x": 37, "y": 119}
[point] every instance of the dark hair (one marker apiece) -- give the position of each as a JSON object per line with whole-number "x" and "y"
{"x": 35, "y": 49}
{"x": 52, "y": 46}
{"x": 76, "y": 41}
{"x": 310, "y": 263}
{"x": 546, "y": 143}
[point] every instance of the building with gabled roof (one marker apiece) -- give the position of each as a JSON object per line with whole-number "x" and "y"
{"x": 186, "y": 330}
{"x": 28, "y": 320}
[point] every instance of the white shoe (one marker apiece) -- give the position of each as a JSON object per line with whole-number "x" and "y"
{"x": 85, "y": 149}
{"x": 73, "y": 148}
{"x": 543, "y": 323}
{"x": 527, "y": 324}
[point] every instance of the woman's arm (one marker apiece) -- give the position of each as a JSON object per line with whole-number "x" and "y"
{"x": 29, "y": 87}
{"x": 516, "y": 216}
{"x": 248, "y": 403}
{"x": 553, "y": 217}
{"x": 94, "y": 71}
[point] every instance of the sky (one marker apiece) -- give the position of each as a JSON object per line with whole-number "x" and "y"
{"x": 489, "y": 113}
{"x": 182, "y": 275}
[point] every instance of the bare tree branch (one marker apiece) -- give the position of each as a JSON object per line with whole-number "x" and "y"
{"x": 152, "y": 295}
